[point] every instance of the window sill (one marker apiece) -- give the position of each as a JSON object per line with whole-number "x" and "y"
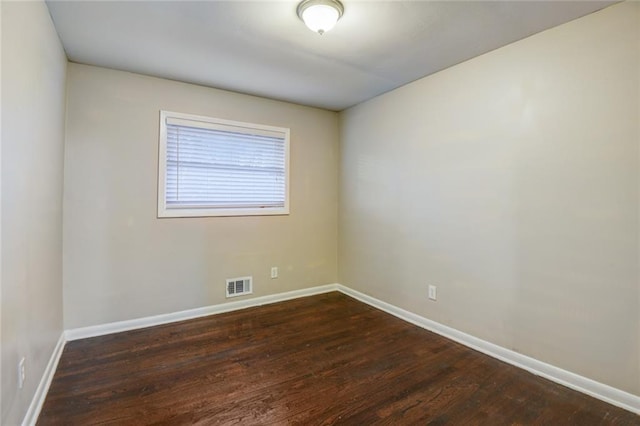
{"x": 176, "y": 213}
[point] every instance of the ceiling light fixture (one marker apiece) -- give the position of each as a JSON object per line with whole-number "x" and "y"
{"x": 320, "y": 15}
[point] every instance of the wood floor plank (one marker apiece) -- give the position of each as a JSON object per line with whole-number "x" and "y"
{"x": 319, "y": 360}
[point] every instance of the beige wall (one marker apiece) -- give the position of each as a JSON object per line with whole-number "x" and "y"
{"x": 33, "y": 96}
{"x": 509, "y": 181}
{"x": 121, "y": 262}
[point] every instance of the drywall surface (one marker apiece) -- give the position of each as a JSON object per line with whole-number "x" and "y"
{"x": 511, "y": 183}
{"x": 33, "y": 107}
{"x": 122, "y": 262}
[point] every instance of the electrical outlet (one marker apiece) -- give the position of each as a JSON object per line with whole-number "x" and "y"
{"x": 433, "y": 292}
{"x": 274, "y": 272}
{"x": 21, "y": 373}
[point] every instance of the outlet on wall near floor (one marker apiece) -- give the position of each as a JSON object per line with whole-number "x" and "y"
{"x": 274, "y": 272}
{"x": 21, "y": 373}
{"x": 433, "y": 292}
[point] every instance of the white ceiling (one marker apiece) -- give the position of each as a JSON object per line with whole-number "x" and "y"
{"x": 262, "y": 48}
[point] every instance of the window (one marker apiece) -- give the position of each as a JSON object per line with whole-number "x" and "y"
{"x": 212, "y": 167}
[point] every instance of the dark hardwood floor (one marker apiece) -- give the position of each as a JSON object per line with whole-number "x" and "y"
{"x": 319, "y": 360}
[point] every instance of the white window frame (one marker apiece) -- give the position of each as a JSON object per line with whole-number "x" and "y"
{"x": 164, "y": 212}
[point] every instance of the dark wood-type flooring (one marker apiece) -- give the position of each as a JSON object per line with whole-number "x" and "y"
{"x": 318, "y": 360}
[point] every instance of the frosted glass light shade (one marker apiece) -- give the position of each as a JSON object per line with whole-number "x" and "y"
{"x": 320, "y": 15}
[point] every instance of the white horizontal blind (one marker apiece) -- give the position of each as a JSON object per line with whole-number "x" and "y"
{"x": 218, "y": 166}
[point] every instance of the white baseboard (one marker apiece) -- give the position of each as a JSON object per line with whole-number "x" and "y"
{"x": 566, "y": 378}
{"x": 43, "y": 387}
{"x": 571, "y": 380}
{"x": 116, "y": 327}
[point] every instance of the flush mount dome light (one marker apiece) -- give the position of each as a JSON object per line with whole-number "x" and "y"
{"x": 320, "y": 15}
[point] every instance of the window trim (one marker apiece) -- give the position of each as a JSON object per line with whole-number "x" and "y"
{"x": 164, "y": 212}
